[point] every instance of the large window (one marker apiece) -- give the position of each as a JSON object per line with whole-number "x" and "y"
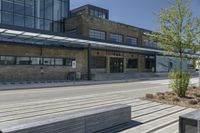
{"x": 149, "y": 62}
{"x": 97, "y": 13}
{"x": 116, "y": 38}
{"x": 23, "y": 61}
{"x": 97, "y": 34}
{"x": 12, "y": 60}
{"x": 7, "y": 60}
{"x": 37, "y": 14}
{"x": 132, "y": 63}
{"x": 98, "y": 62}
{"x": 7, "y": 5}
{"x": 131, "y": 40}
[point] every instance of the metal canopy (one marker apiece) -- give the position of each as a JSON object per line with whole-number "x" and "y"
{"x": 27, "y": 37}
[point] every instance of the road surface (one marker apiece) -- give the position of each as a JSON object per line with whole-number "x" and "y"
{"x": 129, "y": 89}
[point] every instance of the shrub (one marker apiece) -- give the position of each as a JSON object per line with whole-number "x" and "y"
{"x": 175, "y": 99}
{"x": 193, "y": 102}
{"x": 161, "y": 97}
{"x": 179, "y": 82}
{"x": 197, "y": 94}
{"x": 150, "y": 96}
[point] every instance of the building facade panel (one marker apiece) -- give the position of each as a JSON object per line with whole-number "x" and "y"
{"x": 44, "y": 71}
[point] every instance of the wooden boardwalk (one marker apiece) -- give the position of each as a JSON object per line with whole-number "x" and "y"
{"x": 147, "y": 116}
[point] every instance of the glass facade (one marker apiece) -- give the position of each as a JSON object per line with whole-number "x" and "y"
{"x": 46, "y": 15}
{"x": 97, "y": 34}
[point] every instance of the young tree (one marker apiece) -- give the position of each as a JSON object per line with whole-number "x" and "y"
{"x": 179, "y": 31}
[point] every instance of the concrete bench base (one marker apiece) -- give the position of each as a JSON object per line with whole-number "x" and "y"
{"x": 189, "y": 123}
{"x": 87, "y": 121}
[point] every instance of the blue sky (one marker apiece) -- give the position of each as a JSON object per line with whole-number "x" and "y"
{"x": 138, "y": 13}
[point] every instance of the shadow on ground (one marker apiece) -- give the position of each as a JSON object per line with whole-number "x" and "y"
{"x": 121, "y": 127}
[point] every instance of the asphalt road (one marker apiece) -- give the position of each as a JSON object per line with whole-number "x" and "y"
{"x": 130, "y": 89}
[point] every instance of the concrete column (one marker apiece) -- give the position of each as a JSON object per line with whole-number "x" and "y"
{"x": 108, "y": 64}
{"x": 124, "y": 65}
{"x": 89, "y": 62}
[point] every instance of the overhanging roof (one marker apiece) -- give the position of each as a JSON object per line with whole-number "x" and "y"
{"x": 28, "y": 36}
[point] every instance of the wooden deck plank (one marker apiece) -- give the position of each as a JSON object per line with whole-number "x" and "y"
{"x": 150, "y": 110}
{"x": 56, "y": 110}
{"x": 52, "y": 102}
{"x": 56, "y": 105}
{"x": 169, "y": 129}
{"x": 159, "y": 114}
{"x": 149, "y": 127}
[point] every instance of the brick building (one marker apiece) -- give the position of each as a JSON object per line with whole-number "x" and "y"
{"x": 40, "y": 40}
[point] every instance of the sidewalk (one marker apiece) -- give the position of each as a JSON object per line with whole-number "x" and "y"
{"x": 39, "y": 85}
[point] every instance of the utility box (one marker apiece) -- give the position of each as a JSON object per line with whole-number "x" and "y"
{"x": 190, "y": 123}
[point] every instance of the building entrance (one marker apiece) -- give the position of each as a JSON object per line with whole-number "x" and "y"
{"x": 116, "y": 65}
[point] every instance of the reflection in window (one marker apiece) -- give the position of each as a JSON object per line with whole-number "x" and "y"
{"x": 19, "y": 7}
{"x": 116, "y": 38}
{"x": 57, "y": 10}
{"x": 23, "y": 60}
{"x": 7, "y": 60}
{"x": 48, "y": 25}
{"x": 131, "y": 40}
{"x": 36, "y": 61}
{"x": 7, "y": 5}
{"x": 7, "y": 18}
{"x": 39, "y": 24}
{"x": 29, "y": 7}
{"x": 98, "y": 62}
{"x": 59, "y": 62}
{"x": 48, "y": 61}
{"x": 98, "y": 14}
{"x": 68, "y": 62}
{"x": 41, "y": 12}
{"x": 49, "y": 9}
{"x": 132, "y": 63}
{"x": 29, "y": 22}
{"x": 97, "y": 34}
{"x": 18, "y": 20}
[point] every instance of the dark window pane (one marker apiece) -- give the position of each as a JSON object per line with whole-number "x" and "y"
{"x": 98, "y": 62}
{"x": 68, "y": 62}
{"x": 39, "y": 24}
{"x": 48, "y": 61}
{"x": 48, "y": 25}
{"x": 56, "y": 26}
{"x": 39, "y": 10}
{"x": 29, "y": 7}
{"x": 65, "y": 8}
{"x": 18, "y": 20}
{"x": 132, "y": 63}
{"x": 36, "y": 61}
{"x": 149, "y": 62}
{"x": 116, "y": 38}
{"x": 97, "y": 34}
{"x": 19, "y": 7}
{"x": 7, "y": 18}
{"x": 23, "y": 61}
{"x": 57, "y": 10}
{"x": 7, "y": 5}
{"x": 29, "y": 22}
{"x": 49, "y": 9}
{"x": 7, "y": 60}
{"x": 59, "y": 62}
{"x": 131, "y": 40}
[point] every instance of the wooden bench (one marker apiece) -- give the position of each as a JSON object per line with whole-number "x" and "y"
{"x": 190, "y": 123}
{"x": 87, "y": 121}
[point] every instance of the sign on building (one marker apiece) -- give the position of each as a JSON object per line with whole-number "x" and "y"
{"x": 74, "y": 64}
